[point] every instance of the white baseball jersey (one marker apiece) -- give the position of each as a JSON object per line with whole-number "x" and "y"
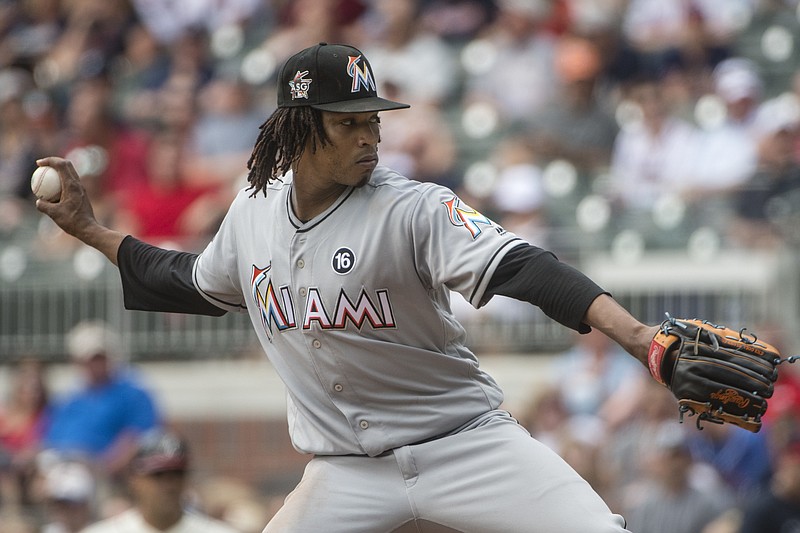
{"x": 352, "y": 308}
{"x": 131, "y": 521}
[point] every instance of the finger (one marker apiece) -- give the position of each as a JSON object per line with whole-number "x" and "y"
{"x": 63, "y": 166}
{"x": 70, "y": 180}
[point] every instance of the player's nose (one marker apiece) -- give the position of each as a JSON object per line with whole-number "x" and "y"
{"x": 369, "y": 136}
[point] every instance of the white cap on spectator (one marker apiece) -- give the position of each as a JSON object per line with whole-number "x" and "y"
{"x": 519, "y": 189}
{"x": 91, "y": 338}
{"x": 737, "y": 78}
{"x": 776, "y": 115}
{"x": 69, "y": 481}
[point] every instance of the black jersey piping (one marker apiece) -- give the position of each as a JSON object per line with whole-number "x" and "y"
{"x": 489, "y": 263}
{"x": 301, "y": 229}
{"x": 211, "y": 296}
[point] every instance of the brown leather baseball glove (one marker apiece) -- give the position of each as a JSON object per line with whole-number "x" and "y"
{"x": 719, "y": 374}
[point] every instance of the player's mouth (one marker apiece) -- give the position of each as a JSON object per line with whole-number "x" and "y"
{"x": 368, "y": 160}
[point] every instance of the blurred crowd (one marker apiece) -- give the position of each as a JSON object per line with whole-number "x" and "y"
{"x": 103, "y": 452}
{"x": 625, "y": 124}
{"x": 604, "y": 414}
{"x": 557, "y": 118}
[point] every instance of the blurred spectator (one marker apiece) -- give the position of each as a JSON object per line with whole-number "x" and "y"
{"x": 140, "y": 70}
{"x": 68, "y": 494}
{"x": 102, "y": 148}
{"x": 632, "y": 430}
{"x": 579, "y": 440}
{"x": 157, "y": 478}
{"x": 656, "y": 31}
{"x": 408, "y": 55}
{"x": 769, "y": 38}
{"x": 28, "y": 30}
{"x": 766, "y": 206}
{"x": 692, "y": 35}
{"x": 669, "y": 502}
{"x": 510, "y": 65}
{"x": 100, "y": 420}
{"x": 221, "y": 138}
{"x": 777, "y": 510}
{"x": 303, "y": 23}
{"x": 167, "y": 207}
{"x": 594, "y": 374}
{"x": 546, "y": 417}
{"x": 191, "y": 59}
{"x": 742, "y": 459}
{"x": 576, "y": 127}
{"x": 91, "y": 33}
{"x": 17, "y": 147}
{"x": 727, "y": 151}
{"x": 23, "y": 417}
{"x": 237, "y": 502}
{"x": 458, "y": 21}
{"x": 652, "y": 155}
{"x": 420, "y": 143}
{"x": 518, "y": 195}
{"x": 13, "y": 522}
{"x": 168, "y": 21}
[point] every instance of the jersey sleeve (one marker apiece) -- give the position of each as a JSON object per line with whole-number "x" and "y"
{"x": 456, "y": 246}
{"x": 530, "y": 274}
{"x": 215, "y": 273}
{"x": 155, "y": 279}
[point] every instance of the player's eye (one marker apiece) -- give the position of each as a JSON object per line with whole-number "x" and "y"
{"x": 375, "y": 120}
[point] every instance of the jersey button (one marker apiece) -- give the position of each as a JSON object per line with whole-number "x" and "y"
{"x": 338, "y": 387}
{"x": 316, "y": 343}
{"x": 303, "y": 291}
{"x": 300, "y": 263}
{"x": 364, "y": 424}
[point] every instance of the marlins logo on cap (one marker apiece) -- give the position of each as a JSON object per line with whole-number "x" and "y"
{"x": 360, "y": 73}
{"x": 331, "y": 77}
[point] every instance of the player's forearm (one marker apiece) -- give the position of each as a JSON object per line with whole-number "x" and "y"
{"x": 101, "y": 238}
{"x": 72, "y": 211}
{"x": 607, "y": 315}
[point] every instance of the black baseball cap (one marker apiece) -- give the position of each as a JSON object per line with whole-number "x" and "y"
{"x": 331, "y": 77}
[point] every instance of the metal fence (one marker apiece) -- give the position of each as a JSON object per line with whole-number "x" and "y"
{"x": 41, "y": 304}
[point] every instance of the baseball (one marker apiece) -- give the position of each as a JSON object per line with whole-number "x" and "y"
{"x": 46, "y": 184}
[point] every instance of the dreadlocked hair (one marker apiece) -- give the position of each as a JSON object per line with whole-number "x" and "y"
{"x": 280, "y": 144}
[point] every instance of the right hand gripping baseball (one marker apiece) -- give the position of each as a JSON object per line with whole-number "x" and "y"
{"x": 716, "y": 373}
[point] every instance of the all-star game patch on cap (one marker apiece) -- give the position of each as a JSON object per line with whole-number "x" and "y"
{"x": 331, "y": 77}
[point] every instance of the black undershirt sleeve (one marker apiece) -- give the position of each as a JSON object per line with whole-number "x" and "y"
{"x": 154, "y": 279}
{"x": 535, "y": 275}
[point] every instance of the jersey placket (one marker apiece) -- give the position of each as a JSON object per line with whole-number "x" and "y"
{"x": 320, "y": 347}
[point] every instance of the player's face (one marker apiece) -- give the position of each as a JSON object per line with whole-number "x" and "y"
{"x": 352, "y": 153}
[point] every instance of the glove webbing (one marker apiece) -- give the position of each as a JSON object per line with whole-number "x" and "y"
{"x": 751, "y": 339}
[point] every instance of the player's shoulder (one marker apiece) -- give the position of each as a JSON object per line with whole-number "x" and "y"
{"x": 390, "y": 182}
{"x": 248, "y": 196}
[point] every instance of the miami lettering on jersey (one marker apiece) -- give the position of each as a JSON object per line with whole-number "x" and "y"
{"x": 464, "y": 216}
{"x": 277, "y": 309}
{"x": 361, "y": 74}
